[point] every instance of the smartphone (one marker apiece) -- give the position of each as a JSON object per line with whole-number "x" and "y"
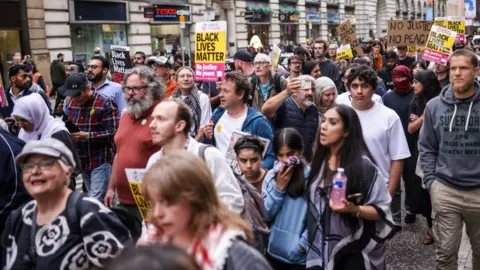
{"x": 355, "y": 198}
{"x": 72, "y": 128}
{"x": 305, "y": 84}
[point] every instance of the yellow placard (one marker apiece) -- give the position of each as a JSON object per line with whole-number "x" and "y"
{"x": 412, "y": 50}
{"x": 143, "y": 205}
{"x": 344, "y": 52}
{"x": 135, "y": 178}
{"x": 457, "y": 25}
{"x": 440, "y": 41}
{"x": 210, "y": 47}
{"x": 441, "y": 22}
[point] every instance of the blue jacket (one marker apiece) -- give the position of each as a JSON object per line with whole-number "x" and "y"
{"x": 34, "y": 88}
{"x": 287, "y": 216}
{"x": 255, "y": 124}
{"x": 12, "y": 191}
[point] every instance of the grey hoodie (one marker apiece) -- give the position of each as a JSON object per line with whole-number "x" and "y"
{"x": 449, "y": 145}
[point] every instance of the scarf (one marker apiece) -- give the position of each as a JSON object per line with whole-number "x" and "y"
{"x": 193, "y": 102}
{"x": 322, "y": 84}
{"x": 33, "y": 109}
{"x": 401, "y": 79}
{"x": 210, "y": 252}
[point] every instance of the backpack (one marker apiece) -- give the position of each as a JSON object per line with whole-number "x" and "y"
{"x": 127, "y": 219}
{"x": 277, "y": 79}
{"x": 254, "y": 210}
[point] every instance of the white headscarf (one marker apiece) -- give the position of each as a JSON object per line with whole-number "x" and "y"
{"x": 322, "y": 84}
{"x": 33, "y": 109}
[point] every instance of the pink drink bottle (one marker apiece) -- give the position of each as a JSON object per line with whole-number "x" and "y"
{"x": 339, "y": 187}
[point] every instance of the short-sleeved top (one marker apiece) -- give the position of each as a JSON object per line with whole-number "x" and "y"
{"x": 93, "y": 239}
{"x": 132, "y": 151}
{"x": 224, "y": 129}
{"x": 384, "y": 136}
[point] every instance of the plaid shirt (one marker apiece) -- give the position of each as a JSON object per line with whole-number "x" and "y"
{"x": 99, "y": 117}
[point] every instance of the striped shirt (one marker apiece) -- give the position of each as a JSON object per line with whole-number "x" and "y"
{"x": 99, "y": 117}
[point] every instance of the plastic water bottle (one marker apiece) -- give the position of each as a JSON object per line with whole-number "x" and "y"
{"x": 339, "y": 187}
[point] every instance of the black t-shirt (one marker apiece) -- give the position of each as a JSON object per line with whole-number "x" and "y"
{"x": 386, "y": 76}
{"x": 93, "y": 239}
{"x": 401, "y": 105}
{"x": 408, "y": 61}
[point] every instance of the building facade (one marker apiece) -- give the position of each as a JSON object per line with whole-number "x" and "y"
{"x": 44, "y": 28}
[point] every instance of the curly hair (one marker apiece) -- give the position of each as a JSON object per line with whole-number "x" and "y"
{"x": 363, "y": 73}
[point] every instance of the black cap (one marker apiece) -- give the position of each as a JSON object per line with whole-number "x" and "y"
{"x": 401, "y": 47}
{"x": 73, "y": 85}
{"x": 243, "y": 56}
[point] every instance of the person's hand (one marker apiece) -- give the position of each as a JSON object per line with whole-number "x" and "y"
{"x": 284, "y": 176}
{"x": 347, "y": 207}
{"x": 80, "y": 136}
{"x": 413, "y": 117}
{"x": 109, "y": 197}
{"x": 14, "y": 129}
{"x": 293, "y": 86}
{"x": 208, "y": 130}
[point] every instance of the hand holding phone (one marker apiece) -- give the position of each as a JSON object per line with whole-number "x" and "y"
{"x": 355, "y": 198}
{"x": 72, "y": 128}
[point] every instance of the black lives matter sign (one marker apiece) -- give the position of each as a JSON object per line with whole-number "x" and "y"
{"x": 121, "y": 59}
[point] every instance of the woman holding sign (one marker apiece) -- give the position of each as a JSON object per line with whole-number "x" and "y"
{"x": 196, "y": 100}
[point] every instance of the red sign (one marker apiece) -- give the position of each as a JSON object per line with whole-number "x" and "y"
{"x": 166, "y": 11}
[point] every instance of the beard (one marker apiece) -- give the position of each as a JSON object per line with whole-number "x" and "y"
{"x": 137, "y": 107}
{"x": 95, "y": 77}
{"x": 464, "y": 88}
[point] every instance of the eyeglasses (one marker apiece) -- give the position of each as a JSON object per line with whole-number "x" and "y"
{"x": 43, "y": 165}
{"x": 92, "y": 67}
{"x": 356, "y": 86}
{"x": 441, "y": 72}
{"x": 261, "y": 63}
{"x": 135, "y": 89}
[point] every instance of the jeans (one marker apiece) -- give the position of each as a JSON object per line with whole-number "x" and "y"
{"x": 96, "y": 181}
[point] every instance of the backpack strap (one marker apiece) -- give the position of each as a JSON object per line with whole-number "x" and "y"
{"x": 251, "y": 94}
{"x": 201, "y": 151}
{"x": 277, "y": 79}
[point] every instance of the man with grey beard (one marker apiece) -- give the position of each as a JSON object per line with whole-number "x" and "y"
{"x": 142, "y": 92}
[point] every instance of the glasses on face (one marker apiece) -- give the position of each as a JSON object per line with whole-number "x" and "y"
{"x": 260, "y": 63}
{"x": 135, "y": 89}
{"x": 355, "y": 86}
{"x": 42, "y": 165}
{"x": 92, "y": 67}
{"x": 441, "y": 72}
{"x": 183, "y": 76}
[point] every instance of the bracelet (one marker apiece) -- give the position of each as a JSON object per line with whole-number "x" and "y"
{"x": 360, "y": 210}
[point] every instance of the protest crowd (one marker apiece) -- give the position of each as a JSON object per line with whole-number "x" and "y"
{"x": 163, "y": 166}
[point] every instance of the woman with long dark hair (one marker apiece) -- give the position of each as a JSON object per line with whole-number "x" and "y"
{"x": 284, "y": 197}
{"x": 426, "y": 87}
{"x": 353, "y": 235}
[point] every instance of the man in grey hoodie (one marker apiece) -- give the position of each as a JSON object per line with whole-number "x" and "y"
{"x": 449, "y": 148}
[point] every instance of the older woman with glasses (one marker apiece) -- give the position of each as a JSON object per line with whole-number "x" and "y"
{"x": 59, "y": 228}
{"x": 196, "y": 100}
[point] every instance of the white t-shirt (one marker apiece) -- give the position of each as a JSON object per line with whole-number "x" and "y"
{"x": 205, "y": 107}
{"x": 346, "y": 98}
{"x": 384, "y": 136}
{"x": 226, "y": 183}
{"x": 224, "y": 129}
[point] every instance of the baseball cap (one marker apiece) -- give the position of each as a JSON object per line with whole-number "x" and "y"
{"x": 367, "y": 40}
{"x": 73, "y": 85}
{"x": 243, "y": 56}
{"x": 159, "y": 60}
{"x": 48, "y": 147}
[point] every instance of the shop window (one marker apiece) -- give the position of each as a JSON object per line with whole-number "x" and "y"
{"x": 288, "y": 32}
{"x": 9, "y": 45}
{"x": 86, "y": 37}
{"x": 260, "y": 30}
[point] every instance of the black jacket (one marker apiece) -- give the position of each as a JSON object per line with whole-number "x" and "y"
{"x": 34, "y": 88}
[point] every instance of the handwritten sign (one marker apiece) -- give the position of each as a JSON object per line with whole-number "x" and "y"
{"x": 439, "y": 44}
{"x": 348, "y": 36}
{"x": 344, "y": 52}
{"x": 135, "y": 178}
{"x": 408, "y": 32}
{"x": 210, "y": 50}
{"x": 457, "y": 24}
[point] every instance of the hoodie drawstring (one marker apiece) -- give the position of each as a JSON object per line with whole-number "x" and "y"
{"x": 468, "y": 116}
{"x": 453, "y": 117}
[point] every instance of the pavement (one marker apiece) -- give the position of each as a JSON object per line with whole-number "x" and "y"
{"x": 405, "y": 251}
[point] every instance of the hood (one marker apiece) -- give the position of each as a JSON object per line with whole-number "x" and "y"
{"x": 447, "y": 96}
{"x": 252, "y": 114}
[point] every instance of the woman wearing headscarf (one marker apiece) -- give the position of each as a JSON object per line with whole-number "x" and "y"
{"x": 36, "y": 123}
{"x": 196, "y": 100}
{"x": 325, "y": 95}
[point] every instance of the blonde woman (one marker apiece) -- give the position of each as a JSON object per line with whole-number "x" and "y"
{"x": 187, "y": 213}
